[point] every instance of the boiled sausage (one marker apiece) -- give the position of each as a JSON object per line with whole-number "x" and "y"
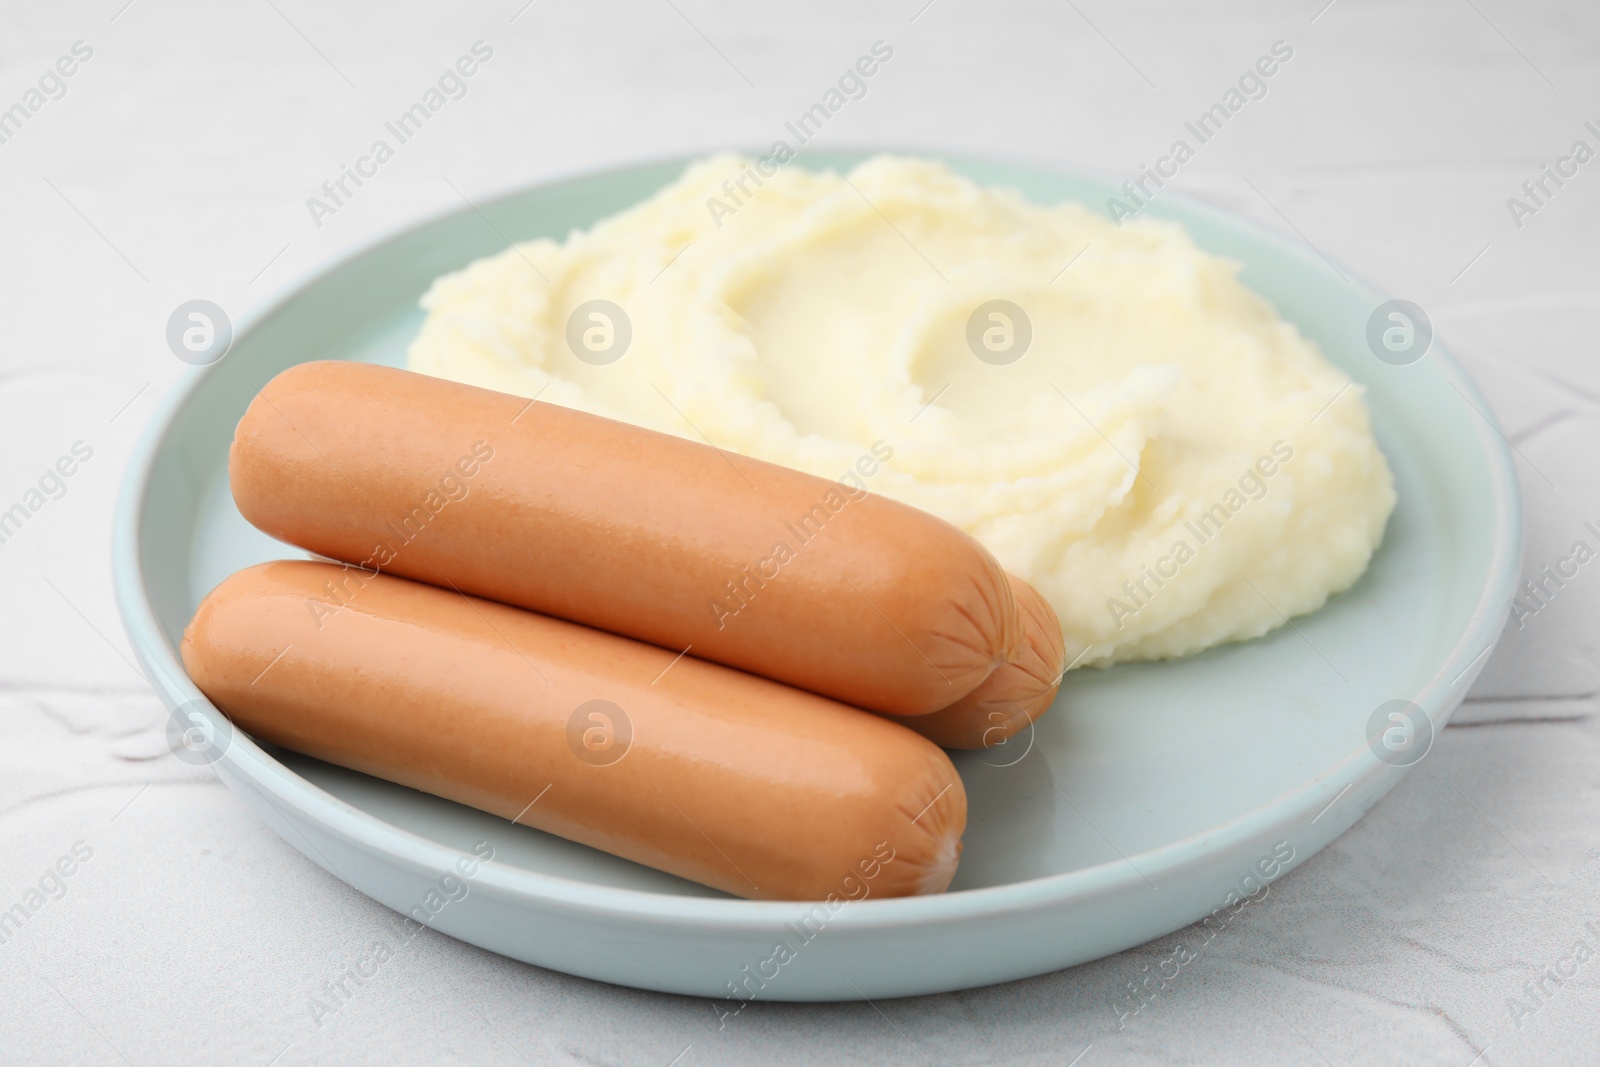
{"x": 714, "y": 775}
{"x": 812, "y": 582}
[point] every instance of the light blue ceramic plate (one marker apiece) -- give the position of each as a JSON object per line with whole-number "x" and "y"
{"x": 1149, "y": 794}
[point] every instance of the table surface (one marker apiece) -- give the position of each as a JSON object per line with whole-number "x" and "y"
{"x": 1456, "y": 920}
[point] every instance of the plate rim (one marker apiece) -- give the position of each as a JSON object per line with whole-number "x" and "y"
{"x": 276, "y": 781}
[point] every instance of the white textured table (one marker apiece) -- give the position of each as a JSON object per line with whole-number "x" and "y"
{"x": 176, "y": 162}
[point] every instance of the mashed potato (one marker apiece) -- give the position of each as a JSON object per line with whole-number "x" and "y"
{"x": 1109, "y": 411}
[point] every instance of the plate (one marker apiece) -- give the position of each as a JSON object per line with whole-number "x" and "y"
{"x": 1152, "y": 796}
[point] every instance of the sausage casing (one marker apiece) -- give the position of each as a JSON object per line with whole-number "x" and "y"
{"x": 714, "y": 775}
{"x": 1016, "y": 694}
{"x": 811, "y": 582}
{"x": 770, "y": 570}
